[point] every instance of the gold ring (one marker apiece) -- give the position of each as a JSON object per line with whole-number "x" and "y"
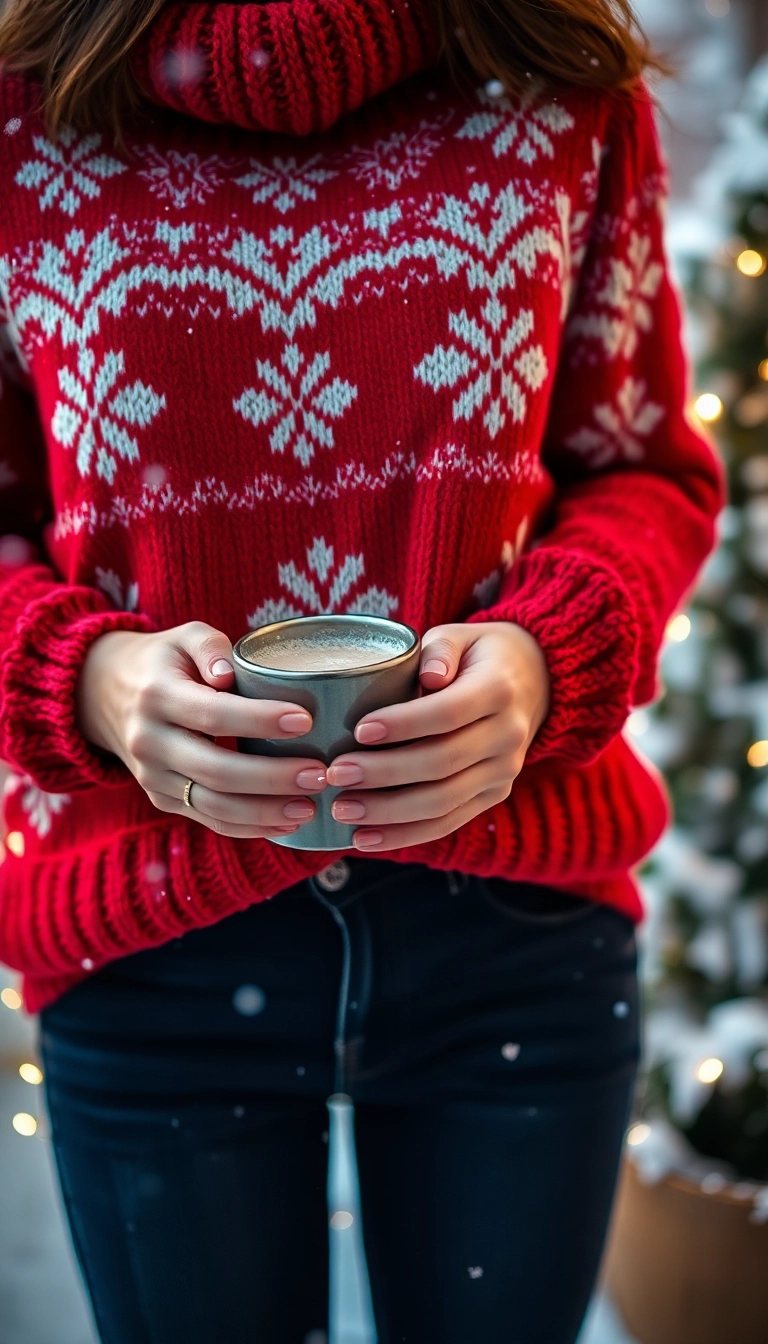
{"x": 187, "y": 791}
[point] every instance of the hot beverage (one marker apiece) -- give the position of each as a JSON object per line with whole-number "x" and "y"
{"x": 332, "y": 651}
{"x": 339, "y": 668}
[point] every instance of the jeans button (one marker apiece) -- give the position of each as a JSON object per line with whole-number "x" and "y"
{"x": 335, "y": 876}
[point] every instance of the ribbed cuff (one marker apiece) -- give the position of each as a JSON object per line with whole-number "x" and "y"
{"x": 41, "y": 665}
{"x": 583, "y": 619}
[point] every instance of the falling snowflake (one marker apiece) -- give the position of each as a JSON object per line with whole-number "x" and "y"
{"x": 184, "y": 66}
{"x": 621, "y": 1009}
{"x": 621, "y": 294}
{"x": 96, "y": 412}
{"x": 475, "y": 1271}
{"x": 41, "y": 807}
{"x": 182, "y": 179}
{"x": 8, "y": 476}
{"x": 511, "y": 1050}
{"x": 303, "y": 403}
{"x": 284, "y": 182}
{"x": 249, "y": 1000}
{"x": 333, "y": 586}
{"x": 484, "y": 368}
{"x": 67, "y": 170}
{"x": 400, "y": 156}
{"x": 523, "y": 123}
{"x": 620, "y": 429}
{"x": 110, "y": 583}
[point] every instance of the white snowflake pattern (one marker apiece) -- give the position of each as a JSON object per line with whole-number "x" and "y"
{"x": 181, "y": 179}
{"x": 323, "y": 587}
{"x": 621, "y": 299}
{"x": 284, "y": 182}
{"x": 484, "y": 368}
{"x": 40, "y": 807}
{"x": 67, "y": 170}
{"x": 97, "y": 409}
{"x": 303, "y": 400}
{"x": 398, "y": 157}
{"x": 619, "y": 429}
{"x": 525, "y": 124}
{"x": 110, "y": 583}
{"x": 487, "y": 590}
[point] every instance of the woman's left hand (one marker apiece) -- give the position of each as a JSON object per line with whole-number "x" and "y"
{"x": 473, "y": 736}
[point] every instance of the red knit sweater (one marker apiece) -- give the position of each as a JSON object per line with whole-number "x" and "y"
{"x": 373, "y": 343}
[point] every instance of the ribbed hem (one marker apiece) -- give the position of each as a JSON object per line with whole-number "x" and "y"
{"x": 292, "y": 66}
{"x": 581, "y": 615}
{"x": 38, "y": 732}
{"x": 65, "y": 915}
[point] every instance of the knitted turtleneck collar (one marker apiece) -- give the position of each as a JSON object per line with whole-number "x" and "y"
{"x": 291, "y": 66}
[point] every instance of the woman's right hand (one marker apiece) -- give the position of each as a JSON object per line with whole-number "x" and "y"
{"x": 156, "y": 701}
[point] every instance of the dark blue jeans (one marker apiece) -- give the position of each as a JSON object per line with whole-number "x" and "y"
{"x": 487, "y": 1033}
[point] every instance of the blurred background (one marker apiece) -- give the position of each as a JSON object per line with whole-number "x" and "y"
{"x": 686, "y": 1259}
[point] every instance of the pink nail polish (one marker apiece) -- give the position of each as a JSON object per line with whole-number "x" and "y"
{"x": 370, "y": 732}
{"x": 368, "y": 839}
{"x": 311, "y": 779}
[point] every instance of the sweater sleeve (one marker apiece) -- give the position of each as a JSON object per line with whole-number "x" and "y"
{"x": 637, "y": 487}
{"x": 46, "y": 625}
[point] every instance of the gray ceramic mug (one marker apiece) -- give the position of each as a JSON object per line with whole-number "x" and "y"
{"x": 336, "y": 698}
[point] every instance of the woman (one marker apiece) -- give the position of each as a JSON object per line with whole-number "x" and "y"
{"x": 349, "y": 305}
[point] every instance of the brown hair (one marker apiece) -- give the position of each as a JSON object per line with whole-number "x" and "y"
{"x": 79, "y": 48}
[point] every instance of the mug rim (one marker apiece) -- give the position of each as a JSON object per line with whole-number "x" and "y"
{"x": 300, "y": 674}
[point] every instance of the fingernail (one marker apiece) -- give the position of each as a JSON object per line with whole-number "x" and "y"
{"x": 370, "y": 732}
{"x": 295, "y": 723}
{"x": 367, "y": 839}
{"x": 342, "y": 775}
{"x": 348, "y": 810}
{"x": 311, "y": 779}
{"x": 298, "y": 808}
{"x": 221, "y": 667}
{"x": 435, "y": 665}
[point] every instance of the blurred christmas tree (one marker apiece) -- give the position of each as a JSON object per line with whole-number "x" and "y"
{"x": 707, "y": 882}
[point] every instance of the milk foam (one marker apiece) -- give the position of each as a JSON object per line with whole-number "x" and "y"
{"x": 324, "y": 653}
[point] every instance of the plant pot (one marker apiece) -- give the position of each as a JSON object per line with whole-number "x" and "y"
{"x": 684, "y": 1267}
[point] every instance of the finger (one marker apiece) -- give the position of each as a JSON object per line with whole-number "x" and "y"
{"x": 238, "y": 809}
{"x": 237, "y": 832}
{"x": 420, "y": 832}
{"x": 433, "y": 758}
{"x": 224, "y": 771}
{"x": 454, "y": 707}
{"x": 421, "y": 802}
{"x": 188, "y": 704}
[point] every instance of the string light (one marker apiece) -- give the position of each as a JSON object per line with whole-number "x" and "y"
{"x": 750, "y": 263}
{"x": 638, "y": 1134}
{"x": 757, "y": 755}
{"x": 708, "y": 407}
{"x": 341, "y": 1220}
{"x": 30, "y": 1073}
{"x": 14, "y": 841}
{"x": 762, "y": 370}
{"x": 11, "y": 998}
{"x": 24, "y": 1124}
{"x": 678, "y": 629}
{"x": 709, "y": 1070}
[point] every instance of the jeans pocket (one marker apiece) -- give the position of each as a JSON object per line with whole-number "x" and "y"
{"x": 533, "y": 903}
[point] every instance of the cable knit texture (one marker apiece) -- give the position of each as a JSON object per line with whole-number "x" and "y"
{"x": 292, "y": 66}
{"x": 413, "y": 350}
